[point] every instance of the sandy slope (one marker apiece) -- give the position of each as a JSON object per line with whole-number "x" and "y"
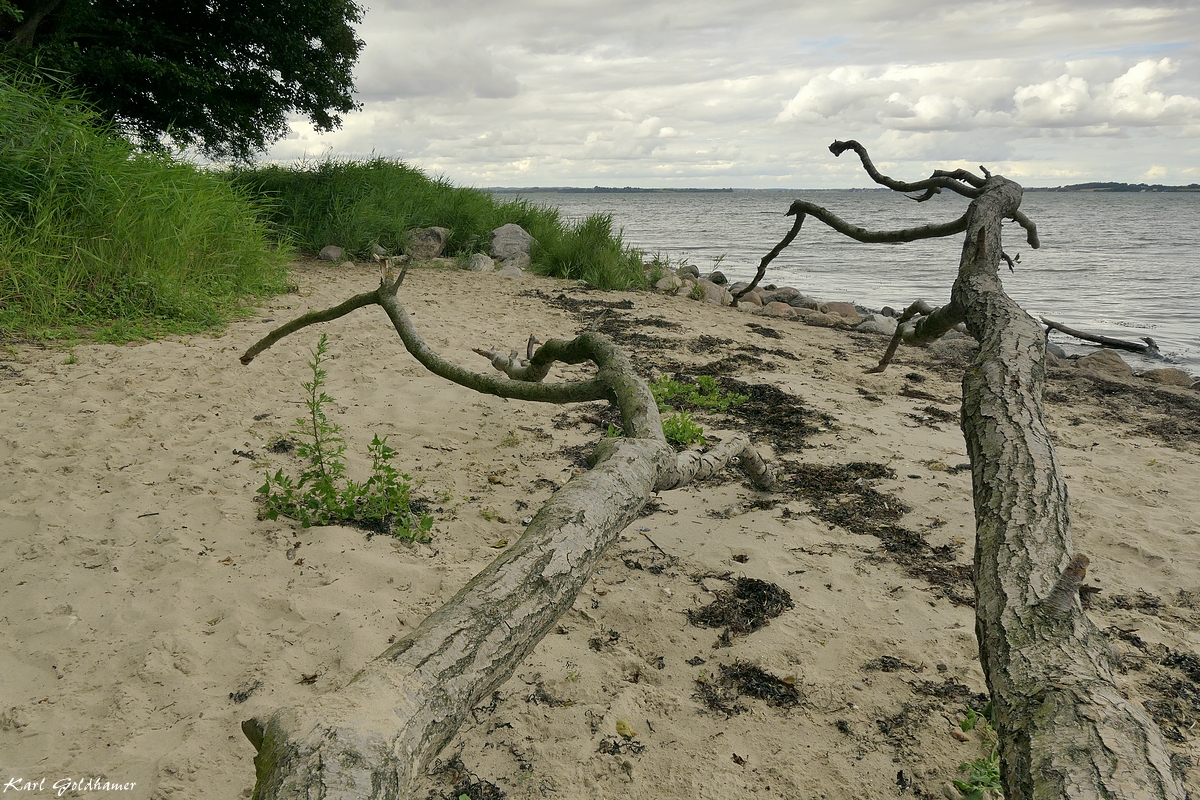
{"x": 145, "y": 611}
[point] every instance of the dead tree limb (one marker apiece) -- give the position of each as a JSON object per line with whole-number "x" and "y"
{"x": 1065, "y": 730}
{"x": 1150, "y": 348}
{"x": 373, "y": 737}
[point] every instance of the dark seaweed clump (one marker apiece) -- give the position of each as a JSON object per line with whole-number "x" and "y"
{"x": 750, "y": 605}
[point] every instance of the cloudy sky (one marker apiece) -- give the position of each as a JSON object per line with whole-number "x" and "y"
{"x": 743, "y": 93}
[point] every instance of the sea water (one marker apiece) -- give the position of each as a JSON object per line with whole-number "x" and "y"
{"x": 1125, "y": 265}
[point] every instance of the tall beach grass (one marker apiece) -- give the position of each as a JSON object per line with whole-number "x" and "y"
{"x": 359, "y": 203}
{"x": 100, "y": 239}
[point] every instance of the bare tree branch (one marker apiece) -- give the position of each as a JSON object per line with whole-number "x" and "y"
{"x": 954, "y": 181}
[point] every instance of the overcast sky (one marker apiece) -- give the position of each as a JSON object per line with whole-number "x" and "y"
{"x": 741, "y": 93}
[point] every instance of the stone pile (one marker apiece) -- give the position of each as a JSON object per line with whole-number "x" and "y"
{"x": 508, "y": 249}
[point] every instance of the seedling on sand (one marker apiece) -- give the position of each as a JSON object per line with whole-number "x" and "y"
{"x": 983, "y": 774}
{"x": 322, "y": 495}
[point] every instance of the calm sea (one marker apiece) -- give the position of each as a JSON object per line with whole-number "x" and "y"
{"x": 1117, "y": 264}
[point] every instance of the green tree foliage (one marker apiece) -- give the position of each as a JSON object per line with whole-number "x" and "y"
{"x": 219, "y": 75}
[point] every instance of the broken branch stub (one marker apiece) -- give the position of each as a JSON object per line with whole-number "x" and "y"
{"x": 374, "y": 737}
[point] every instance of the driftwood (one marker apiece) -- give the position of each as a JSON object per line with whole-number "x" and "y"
{"x": 1150, "y": 348}
{"x": 1065, "y": 730}
{"x": 373, "y": 737}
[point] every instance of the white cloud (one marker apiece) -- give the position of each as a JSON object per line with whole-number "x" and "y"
{"x": 750, "y": 92}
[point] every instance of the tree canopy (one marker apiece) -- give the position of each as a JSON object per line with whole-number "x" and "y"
{"x": 218, "y": 75}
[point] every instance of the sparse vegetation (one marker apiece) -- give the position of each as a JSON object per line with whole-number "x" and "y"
{"x": 982, "y": 774}
{"x": 322, "y": 495}
{"x": 681, "y": 429}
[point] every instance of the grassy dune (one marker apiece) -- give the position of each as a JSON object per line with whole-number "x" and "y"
{"x": 101, "y": 240}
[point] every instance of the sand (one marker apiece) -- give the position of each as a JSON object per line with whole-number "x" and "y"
{"x": 145, "y": 610}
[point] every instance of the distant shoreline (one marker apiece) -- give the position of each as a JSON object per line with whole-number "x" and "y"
{"x": 1076, "y": 187}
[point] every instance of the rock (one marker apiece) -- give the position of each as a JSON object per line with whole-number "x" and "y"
{"x": 818, "y": 318}
{"x": 508, "y": 270}
{"x": 668, "y": 284}
{"x": 737, "y": 287}
{"x": 1051, "y": 347}
{"x": 480, "y": 263}
{"x": 803, "y": 301}
{"x": 377, "y": 250}
{"x": 426, "y": 243}
{"x": 777, "y": 309}
{"x": 751, "y": 298}
{"x": 685, "y": 287}
{"x": 518, "y": 261}
{"x": 509, "y": 241}
{"x": 888, "y": 311}
{"x": 331, "y": 252}
{"x": 846, "y": 310}
{"x": 957, "y": 350}
{"x": 783, "y": 294}
{"x": 346, "y": 265}
{"x": 1054, "y": 361}
{"x": 718, "y": 277}
{"x": 717, "y": 295}
{"x": 1106, "y": 362}
{"x": 877, "y": 323}
{"x": 1169, "y": 375}
{"x": 688, "y": 271}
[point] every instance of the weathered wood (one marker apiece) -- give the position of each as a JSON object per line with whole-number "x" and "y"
{"x": 373, "y": 737}
{"x": 1150, "y": 347}
{"x": 1065, "y": 730}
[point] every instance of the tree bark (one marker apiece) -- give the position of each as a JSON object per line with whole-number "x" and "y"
{"x": 374, "y": 737}
{"x": 1065, "y": 730}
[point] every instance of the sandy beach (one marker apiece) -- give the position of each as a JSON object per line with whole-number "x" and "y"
{"x": 145, "y": 610}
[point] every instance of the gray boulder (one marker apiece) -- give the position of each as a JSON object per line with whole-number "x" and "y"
{"x": 509, "y": 271}
{"x": 426, "y": 243}
{"x": 877, "y": 323}
{"x": 1171, "y": 376}
{"x": 784, "y": 294}
{"x": 688, "y": 271}
{"x": 480, "y": 263}
{"x": 668, "y": 284}
{"x": 718, "y": 277}
{"x": 510, "y": 242}
{"x": 803, "y": 301}
{"x": 1106, "y": 363}
{"x": 378, "y": 250}
{"x": 713, "y": 293}
{"x": 331, "y": 252}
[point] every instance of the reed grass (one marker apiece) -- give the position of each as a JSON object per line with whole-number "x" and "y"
{"x": 359, "y": 203}
{"x": 102, "y": 241}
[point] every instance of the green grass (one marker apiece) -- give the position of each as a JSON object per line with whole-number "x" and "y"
{"x": 99, "y": 240}
{"x": 359, "y": 203}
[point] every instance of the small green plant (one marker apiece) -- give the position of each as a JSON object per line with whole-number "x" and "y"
{"x": 510, "y": 440}
{"x": 982, "y": 774}
{"x": 322, "y": 495}
{"x": 697, "y": 292}
{"x": 681, "y": 429}
{"x": 573, "y": 676}
{"x": 613, "y": 432}
{"x": 704, "y": 395}
{"x": 71, "y": 358}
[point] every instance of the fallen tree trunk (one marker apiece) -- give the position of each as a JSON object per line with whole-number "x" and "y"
{"x": 374, "y": 737}
{"x": 1065, "y": 731}
{"x": 1150, "y": 347}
